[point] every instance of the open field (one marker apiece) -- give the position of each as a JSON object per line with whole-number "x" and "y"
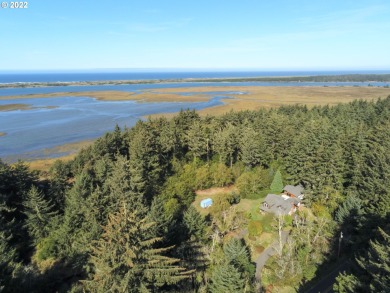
{"x": 70, "y": 150}
{"x": 45, "y": 164}
{"x": 210, "y": 193}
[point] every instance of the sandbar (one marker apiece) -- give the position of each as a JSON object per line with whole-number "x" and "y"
{"x": 13, "y": 107}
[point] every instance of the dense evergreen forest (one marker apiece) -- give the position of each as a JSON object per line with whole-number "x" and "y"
{"x": 119, "y": 217}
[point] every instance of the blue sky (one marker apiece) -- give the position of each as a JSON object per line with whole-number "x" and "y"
{"x": 246, "y": 34}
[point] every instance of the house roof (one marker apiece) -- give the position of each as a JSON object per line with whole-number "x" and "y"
{"x": 296, "y": 190}
{"x": 278, "y": 204}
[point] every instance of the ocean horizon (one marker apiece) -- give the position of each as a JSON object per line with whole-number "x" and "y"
{"x": 88, "y": 76}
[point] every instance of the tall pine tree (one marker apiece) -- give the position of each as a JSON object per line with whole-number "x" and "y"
{"x": 126, "y": 259}
{"x": 39, "y": 214}
{"x": 277, "y": 183}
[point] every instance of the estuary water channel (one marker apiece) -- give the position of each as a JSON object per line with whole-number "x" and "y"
{"x": 50, "y": 122}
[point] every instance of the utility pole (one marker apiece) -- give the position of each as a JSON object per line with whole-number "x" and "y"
{"x": 340, "y": 238}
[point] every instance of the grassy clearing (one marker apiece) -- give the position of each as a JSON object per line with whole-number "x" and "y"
{"x": 71, "y": 149}
{"x": 45, "y": 164}
{"x": 212, "y": 193}
{"x": 267, "y": 221}
{"x": 250, "y": 208}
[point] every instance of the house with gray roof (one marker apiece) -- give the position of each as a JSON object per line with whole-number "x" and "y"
{"x": 280, "y": 204}
{"x": 293, "y": 191}
{"x": 284, "y": 204}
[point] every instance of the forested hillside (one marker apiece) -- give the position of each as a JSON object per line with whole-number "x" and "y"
{"x": 119, "y": 217}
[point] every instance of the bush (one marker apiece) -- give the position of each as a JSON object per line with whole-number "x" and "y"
{"x": 255, "y": 228}
{"x": 234, "y": 198}
{"x": 203, "y": 178}
{"x": 237, "y": 169}
{"x": 222, "y": 175}
{"x": 252, "y": 238}
{"x": 46, "y": 249}
{"x": 220, "y": 203}
{"x": 259, "y": 249}
{"x": 288, "y": 220}
{"x": 250, "y": 184}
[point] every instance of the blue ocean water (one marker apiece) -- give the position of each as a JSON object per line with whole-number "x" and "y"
{"x": 13, "y": 77}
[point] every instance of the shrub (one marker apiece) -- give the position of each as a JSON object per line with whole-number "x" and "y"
{"x": 250, "y": 184}
{"x": 259, "y": 249}
{"x": 251, "y": 238}
{"x": 220, "y": 203}
{"x": 203, "y": 178}
{"x": 255, "y": 228}
{"x": 46, "y": 249}
{"x": 237, "y": 169}
{"x": 234, "y": 198}
{"x": 288, "y": 220}
{"x": 222, "y": 175}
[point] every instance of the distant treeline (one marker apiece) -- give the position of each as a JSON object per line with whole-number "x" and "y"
{"x": 317, "y": 78}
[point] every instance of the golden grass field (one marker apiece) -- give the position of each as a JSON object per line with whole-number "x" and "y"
{"x": 273, "y": 96}
{"x": 45, "y": 164}
{"x": 71, "y": 148}
{"x": 144, "y": 96}
{"x": 268, "y": 97}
